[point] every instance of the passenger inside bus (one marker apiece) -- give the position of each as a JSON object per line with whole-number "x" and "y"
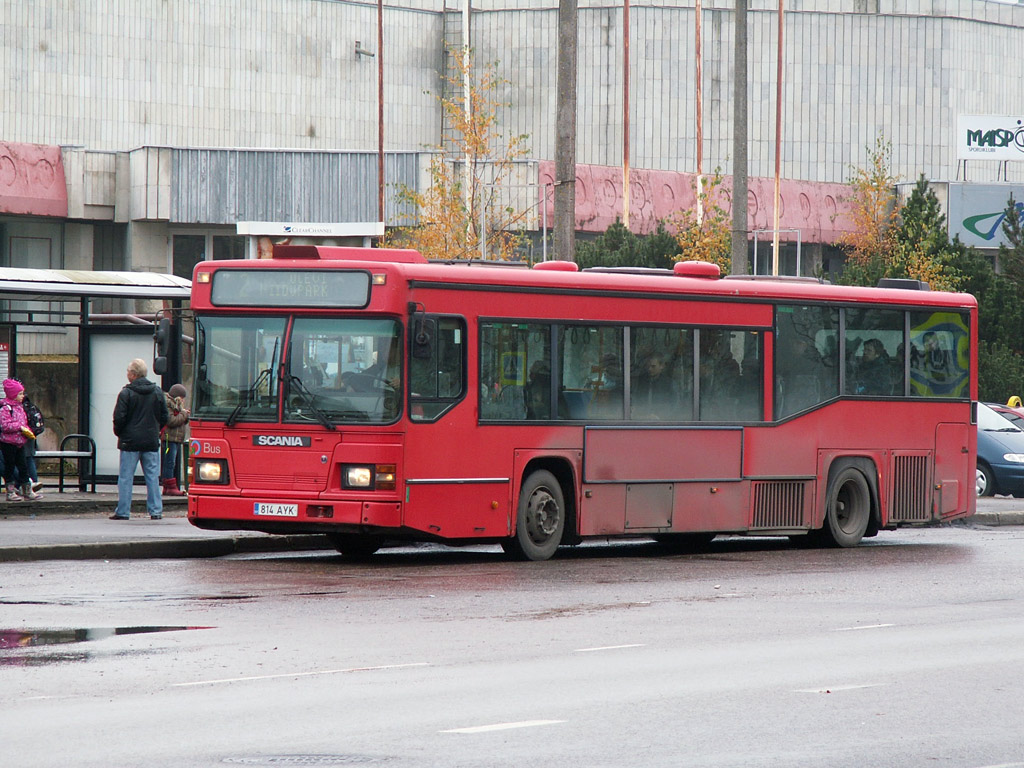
{"x": 654, "y": 392}
{"x": 606, "y": 388}
{"x": 874, "y": 370}
{"x": 798, "y": 371}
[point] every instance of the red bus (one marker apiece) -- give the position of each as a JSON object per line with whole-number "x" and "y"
{"x": 372, "y": 396}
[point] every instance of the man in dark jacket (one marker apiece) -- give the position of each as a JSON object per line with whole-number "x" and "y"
{"x": 140, "y": 413}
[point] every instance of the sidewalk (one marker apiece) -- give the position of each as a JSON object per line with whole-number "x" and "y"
{"x": 74, "y": 526}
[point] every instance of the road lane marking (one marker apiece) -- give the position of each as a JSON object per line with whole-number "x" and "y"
{"x": 299, "y": 674}
{"x": 503, "y": 726}
{"x": 865, "y": 626}
{"x": 833, "y": 688}
{"x": 609, "y": 647}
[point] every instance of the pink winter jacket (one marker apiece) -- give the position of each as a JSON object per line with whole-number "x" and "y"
{"x": 12, "y": 419}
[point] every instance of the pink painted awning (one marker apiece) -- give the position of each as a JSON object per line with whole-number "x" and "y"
{"x": 816, "y": 209}
{"x": 32, "y": 180}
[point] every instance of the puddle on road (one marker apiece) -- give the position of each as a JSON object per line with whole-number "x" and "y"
{"x": 27, "y": 638}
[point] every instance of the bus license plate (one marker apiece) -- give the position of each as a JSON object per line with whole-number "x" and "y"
{"x": 275, "y": 510}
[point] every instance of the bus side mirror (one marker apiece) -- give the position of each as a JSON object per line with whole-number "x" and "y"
{"x": 162, "y": 337}
{"x": 424, "y": 331}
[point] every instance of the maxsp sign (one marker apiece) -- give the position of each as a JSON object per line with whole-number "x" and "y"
{"x": 989, "y": 137}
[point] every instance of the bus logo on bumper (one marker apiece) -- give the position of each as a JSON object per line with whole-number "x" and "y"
{"x": 289, "y": 441}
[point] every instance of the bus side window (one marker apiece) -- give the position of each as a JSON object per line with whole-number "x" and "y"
{"x": 592, "y": 372}
{"x": 437, "y": 368}
{"x": 515, "y": 371}
{"x": 730, "y": 375}
{"x": 939, "y": 354}
{"x": 806, "y": 356}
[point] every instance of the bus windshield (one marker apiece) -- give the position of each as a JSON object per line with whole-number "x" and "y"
{"x": 325, "y": 370}
{"x": 347, "y": 368}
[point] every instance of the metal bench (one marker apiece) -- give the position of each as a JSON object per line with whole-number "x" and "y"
{"x": 86, "y": 460}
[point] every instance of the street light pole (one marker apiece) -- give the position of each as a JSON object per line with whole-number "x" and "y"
{"x": 565, "y": 135}
{"x": 739, "y": 143}
{"x": 778, "y": 147}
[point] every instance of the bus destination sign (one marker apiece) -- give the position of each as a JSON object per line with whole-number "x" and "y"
{"x": 290, "y": 288}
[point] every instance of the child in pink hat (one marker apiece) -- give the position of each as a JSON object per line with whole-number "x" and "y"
{"x": 14, "y": 433}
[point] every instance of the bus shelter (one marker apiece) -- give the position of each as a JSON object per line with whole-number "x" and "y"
{"x": 68, "y": 335}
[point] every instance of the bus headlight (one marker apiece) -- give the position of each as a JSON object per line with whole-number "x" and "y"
{"x": 380, "y": 477}
{"x": 356, "y": 477}
{"x": 1014, "y": 458}
{"x": 211, "y": 471}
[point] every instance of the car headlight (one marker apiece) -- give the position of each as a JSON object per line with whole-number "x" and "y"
{"x": 1014, "y": 458}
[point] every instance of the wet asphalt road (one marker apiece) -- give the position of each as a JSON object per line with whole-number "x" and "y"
{"x": 906, "y": 651}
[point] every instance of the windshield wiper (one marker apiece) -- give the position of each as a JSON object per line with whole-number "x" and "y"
{"x": 250, "y": 394}
{"x": 307, "y": 398}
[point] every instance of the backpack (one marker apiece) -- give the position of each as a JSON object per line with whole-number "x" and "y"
{"x": 35, "y": 419}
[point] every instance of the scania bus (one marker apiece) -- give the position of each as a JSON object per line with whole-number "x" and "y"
{"x": 373, "y": 396}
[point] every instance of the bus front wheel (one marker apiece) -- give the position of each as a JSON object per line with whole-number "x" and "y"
{"x": 540, "y": 518}
{"x": 847, "y": 509}
{"x": 355, "y": 546}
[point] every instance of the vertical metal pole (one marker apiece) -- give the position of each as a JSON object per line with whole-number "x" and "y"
{"x": 380, "y": 109}
{"x": 565, "y": 133}
{"x": 699, "y": 85}
{"x": 778, "y": 145}
{"x": 544, "y": 224}
{"x": 739, "y": 145}
{"x": 467, "y": 97}
{"x": 625, "y": 113}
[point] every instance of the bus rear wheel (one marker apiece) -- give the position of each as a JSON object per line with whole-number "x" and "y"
{"x": 847, "y": 509}
{"x": 540, "y": 518}
{"x": 355, "y": 546}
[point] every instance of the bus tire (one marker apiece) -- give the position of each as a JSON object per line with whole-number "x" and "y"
{"x": 354, "y": 546}
{"x": 540, "y": 518}
{"x": 847, "y": 508}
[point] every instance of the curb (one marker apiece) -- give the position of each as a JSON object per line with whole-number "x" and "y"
{"x": 165, "y": 548}
{"x": 1015, "y": 517}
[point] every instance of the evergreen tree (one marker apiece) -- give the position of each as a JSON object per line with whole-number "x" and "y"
{"x": 922, "y": 250}
{"x": 619, "y": 247}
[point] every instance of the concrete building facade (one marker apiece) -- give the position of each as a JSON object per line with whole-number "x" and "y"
{"x": 137, "y": 134}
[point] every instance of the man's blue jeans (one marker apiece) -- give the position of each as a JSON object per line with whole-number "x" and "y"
{"x": 126, "y": 477}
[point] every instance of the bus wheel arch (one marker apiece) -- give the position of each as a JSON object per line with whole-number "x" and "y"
{"x": 545, "y": 511}
{"x": 851, "y": 509}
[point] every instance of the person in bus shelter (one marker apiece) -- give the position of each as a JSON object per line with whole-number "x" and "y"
{"x": 654, "y": 393}
{"x": 874, "y": 370}
{"x": 139, "y": 414}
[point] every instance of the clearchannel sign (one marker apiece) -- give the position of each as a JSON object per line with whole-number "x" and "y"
{"x": 990, "y": 137}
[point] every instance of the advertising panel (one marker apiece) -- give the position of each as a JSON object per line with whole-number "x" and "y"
{"x": 989, "y": 137}
{"x": 977, "y": 212}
